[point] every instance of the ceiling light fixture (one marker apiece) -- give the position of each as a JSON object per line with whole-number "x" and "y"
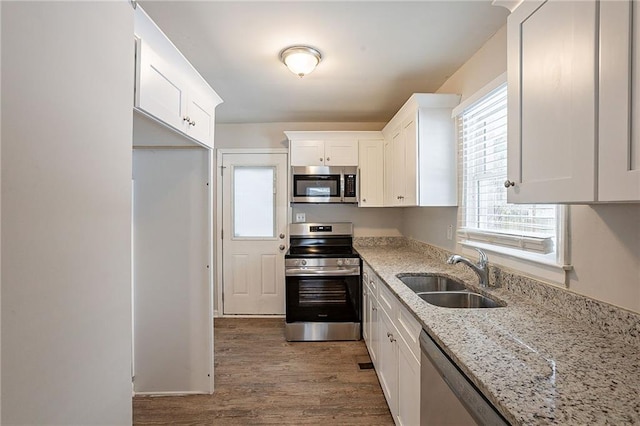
{"x": 301, "y": 60}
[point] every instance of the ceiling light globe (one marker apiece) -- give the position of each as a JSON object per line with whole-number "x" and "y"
{"x": 301, "y": 60}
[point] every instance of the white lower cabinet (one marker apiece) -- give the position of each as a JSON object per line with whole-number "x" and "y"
{"x": 391, "y": 336}
{"x": 408, "y": 386}
{"x": 387, "y": 367}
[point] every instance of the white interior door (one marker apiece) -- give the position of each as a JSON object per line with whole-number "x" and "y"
{"x": 254, "y": 221}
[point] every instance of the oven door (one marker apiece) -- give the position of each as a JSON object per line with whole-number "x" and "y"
{"x": 316, "y": 185}
{"x": 316, "y": 298}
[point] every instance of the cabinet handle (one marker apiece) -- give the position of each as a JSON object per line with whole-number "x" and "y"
{"x": 373, "y": 308}
{"x": 192, "y": 123}
{"x": 187, "y": 119}
{"x": 364, "y": 200}
{"x": 328, "y": 159}
{"x": 321, "y": 159}
{"x": 508, "y": 183}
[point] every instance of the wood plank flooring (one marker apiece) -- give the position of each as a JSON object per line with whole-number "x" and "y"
{"x": 261, "y": 379}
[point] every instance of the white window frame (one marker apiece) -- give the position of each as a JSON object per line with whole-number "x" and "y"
{"x": 551, "y": 267}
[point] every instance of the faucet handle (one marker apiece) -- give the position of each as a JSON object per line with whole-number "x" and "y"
{"x": 482, "y": 260}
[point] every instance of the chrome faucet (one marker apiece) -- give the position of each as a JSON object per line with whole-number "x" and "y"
{"x": 481, "y": 268}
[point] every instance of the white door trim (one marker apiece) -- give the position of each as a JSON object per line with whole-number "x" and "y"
{"x": 218, "y": 214}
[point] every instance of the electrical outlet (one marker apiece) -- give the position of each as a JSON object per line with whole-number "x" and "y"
{"x": 450, "y": 232}
{"x": 300, "y": 217}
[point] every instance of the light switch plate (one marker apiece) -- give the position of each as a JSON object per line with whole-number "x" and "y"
{"x": 300, "y": 217}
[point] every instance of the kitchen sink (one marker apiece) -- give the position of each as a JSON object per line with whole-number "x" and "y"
{"x": 430, "y": 282}
{"x": 459, "y": 299}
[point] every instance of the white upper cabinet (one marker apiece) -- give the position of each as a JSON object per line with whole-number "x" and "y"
{"x": 552, "y": 72}
{"x": 371, "y": 160}
{"x": 619, "y": 102}
{"x": 572, "y": 103}
{"x": 420, "y": 152}
{"x": 168, "y": 88}
{"x": 323, "y": 148}
{"x": 307, "y": 152}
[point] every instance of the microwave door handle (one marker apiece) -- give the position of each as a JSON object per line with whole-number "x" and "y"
{"x": 342, "y": 185}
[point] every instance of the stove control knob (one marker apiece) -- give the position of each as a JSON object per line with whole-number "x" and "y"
{"x": 303, "y": 262}
{"x": 340, "y": 262}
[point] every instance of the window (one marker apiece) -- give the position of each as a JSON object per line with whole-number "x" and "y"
{"x": 486, "y": 220}
{"x": 254, "y": 202}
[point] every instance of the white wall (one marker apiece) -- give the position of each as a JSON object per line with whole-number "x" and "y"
{"x": 367, "y": 221}
{"x": 0, "y": 214}
{"x": 171, "y": 279}
{"x": 67, "y": 84}
{"x": 605, "y": 240}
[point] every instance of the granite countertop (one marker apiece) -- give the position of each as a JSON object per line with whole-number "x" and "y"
{"x": 535, "y": 365}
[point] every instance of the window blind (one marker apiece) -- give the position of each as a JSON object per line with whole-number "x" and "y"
{"x": 484, "y": 215}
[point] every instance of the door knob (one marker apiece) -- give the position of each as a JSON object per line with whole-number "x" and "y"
{"x": 281, "y": 236}
{"x": 282, "y": 247}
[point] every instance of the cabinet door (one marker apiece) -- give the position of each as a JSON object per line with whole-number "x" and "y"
{"x": 307, "y": 153}
{"x": 371, "y": 160}
{"x": 161, "y": 91}
{"x": 408, "y": 386}
{"x": 410, "y": 143}
{"x": 341, "y": 152}
{"x": 366, "y": 308}
{"x": 200, "y": 118}
{"x": 389, "y": 196}
{"x": 374, "y": 326}
{"x": 397, "y": 168}
{"x": 387, "y": 367}
{"x": 619, "y": 102}
{"x": 552, "y": 75}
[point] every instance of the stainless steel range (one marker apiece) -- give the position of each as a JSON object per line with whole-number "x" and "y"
{"x": 323, "y": 285}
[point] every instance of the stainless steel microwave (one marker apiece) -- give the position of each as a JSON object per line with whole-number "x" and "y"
{"x": 322, "y": 184}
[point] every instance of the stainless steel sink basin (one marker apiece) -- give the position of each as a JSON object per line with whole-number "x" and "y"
{"x": 430, "y": 282}
{"x": 459, "y": 299}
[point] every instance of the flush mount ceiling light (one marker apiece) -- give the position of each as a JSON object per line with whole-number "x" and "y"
{"x": 301, "y": 60}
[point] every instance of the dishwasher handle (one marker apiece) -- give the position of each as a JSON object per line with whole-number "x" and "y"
{"x": 482, "y": 411}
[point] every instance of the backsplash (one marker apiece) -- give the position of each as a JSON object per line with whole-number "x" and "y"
{"x": 609, "y": 318}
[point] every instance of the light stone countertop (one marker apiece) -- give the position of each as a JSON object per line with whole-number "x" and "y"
{"x": 534, "y": 365}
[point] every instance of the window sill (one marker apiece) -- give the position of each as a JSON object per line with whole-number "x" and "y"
{"x": 531, "y": 264}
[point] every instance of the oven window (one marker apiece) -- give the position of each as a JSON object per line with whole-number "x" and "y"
{"x": 317, "y": 186}
{"x": 254, "y": 202}
{"x": 312, "y": 293}
{"x": 330, "y": 299}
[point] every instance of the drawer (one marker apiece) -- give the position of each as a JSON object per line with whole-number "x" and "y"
{"x": 387, "y": 301}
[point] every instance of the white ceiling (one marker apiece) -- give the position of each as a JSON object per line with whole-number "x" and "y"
{"x": 375, "y": 54}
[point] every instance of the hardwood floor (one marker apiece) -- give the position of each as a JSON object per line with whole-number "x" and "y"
{"x": 261, "y": 379}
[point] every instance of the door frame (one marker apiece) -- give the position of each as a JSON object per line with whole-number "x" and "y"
{"x": 218, "y": 311}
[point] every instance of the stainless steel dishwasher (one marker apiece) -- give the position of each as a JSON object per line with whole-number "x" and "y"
{"x": 447, "y": 397}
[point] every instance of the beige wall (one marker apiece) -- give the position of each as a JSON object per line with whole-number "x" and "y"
{"x": 605, "y": 239}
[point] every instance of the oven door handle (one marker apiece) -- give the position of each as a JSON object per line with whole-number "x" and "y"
{"x": 300, "y": 272}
